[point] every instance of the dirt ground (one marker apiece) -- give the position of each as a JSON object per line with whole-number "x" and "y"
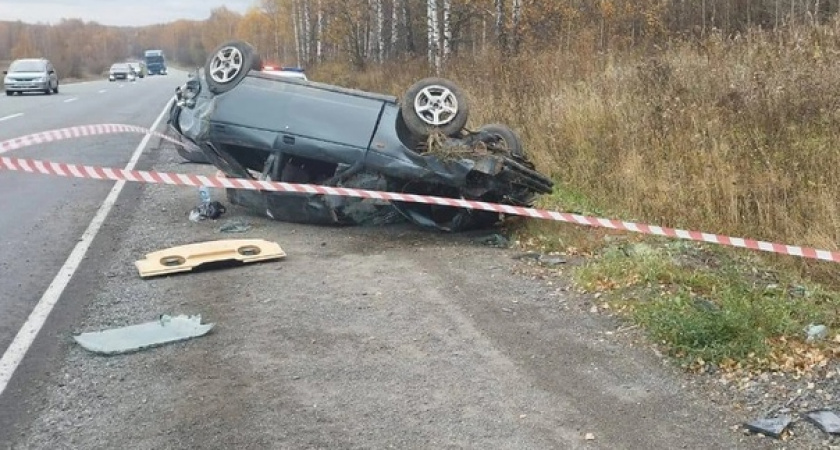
{"x": 392, "y": 337}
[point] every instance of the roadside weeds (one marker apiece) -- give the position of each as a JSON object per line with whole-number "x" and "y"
{"x": 735, "y": 319}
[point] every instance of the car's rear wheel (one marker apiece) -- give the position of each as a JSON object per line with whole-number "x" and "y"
{"x": 435, "y": 104}
{"x": 503, "y": 139}
{"x": 229, "y": 64}
{"x": 56, "y": 88}
{"x": 9, "y": 93}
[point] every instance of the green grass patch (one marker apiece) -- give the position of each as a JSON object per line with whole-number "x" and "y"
{"x": 703, "y": 304}
{"x": 566, "y": 198}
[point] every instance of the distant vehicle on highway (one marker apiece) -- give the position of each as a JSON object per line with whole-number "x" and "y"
{"x": 139, "y": 68}
{"x": 31, "y": 75}
{"x": 291, "y": 72}
{"x": 155, "y": 62}
{"x": 121, "y": 71}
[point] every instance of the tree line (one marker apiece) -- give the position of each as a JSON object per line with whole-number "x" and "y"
{"x": 364, "y": 32}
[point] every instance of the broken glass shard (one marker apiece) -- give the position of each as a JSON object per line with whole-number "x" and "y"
{"x": 165, "y": 330}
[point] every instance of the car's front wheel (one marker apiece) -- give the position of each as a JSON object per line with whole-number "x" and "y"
{"x": 229, "y": 64}
{"x": 434, "y": 104}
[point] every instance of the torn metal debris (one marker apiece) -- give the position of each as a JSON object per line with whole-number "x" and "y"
{"x": 187, "y": 257}
{"x": 257, "y": 125}
{"x": 165, "y": 330}
{"x": 494, "y": 240}
{"x": 826, "y": 420}
{"x": 773, "y": 427}
{"x": 235, "y": 226}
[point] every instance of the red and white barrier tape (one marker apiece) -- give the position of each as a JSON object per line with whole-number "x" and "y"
{"x": 82, "y": 131}
{"x": 104, "y": 173}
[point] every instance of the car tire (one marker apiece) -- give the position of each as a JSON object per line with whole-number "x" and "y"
{"x": 9, "y": 93}
{"x": 56, "y": 88}
{"x": 228, "y": 64}
{"x": 502, "y": 138}
{"x": 434, "y": 104}
{"x": 48, "y": 91}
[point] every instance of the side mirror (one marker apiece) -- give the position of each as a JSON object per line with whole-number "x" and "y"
{"x": 52, "y": 72}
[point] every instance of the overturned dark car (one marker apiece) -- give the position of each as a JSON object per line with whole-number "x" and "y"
{"x": 256, "y": 125}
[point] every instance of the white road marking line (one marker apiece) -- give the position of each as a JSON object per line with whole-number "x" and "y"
{"x": 71, "y": 100}
{"x": 29, "y": 331}
{"x": 10, "y": 117}
{"x": 103, "y": 91}
{"x": 122, "y": 85}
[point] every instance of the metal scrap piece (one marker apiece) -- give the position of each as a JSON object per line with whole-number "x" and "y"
{"x": 236, "y": 226}
{"x": 187, "y": 257}
{"x": 826, "y": 420}
{"x": 133, "y": 338}
{"x": 773, "y": 427}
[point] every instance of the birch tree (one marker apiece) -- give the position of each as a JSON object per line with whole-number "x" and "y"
{"x": 433, "y": 34}
{"x": 273, "y": 11}
{"x": 410, "y": 44}
{"x": 296, "y": 26}
{"x": 447, "y": 28}
{"x": 380, "y": 35}
{"x": 395, "y": 22}
{"x": 307, "y": 31}
{"x": 500, "y": 24}
{"x": 515, "y": 21}
{"x": 319, "y": 55}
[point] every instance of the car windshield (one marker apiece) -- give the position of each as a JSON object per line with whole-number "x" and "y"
{"x": 119, "y": 67}
{"x": 27, "y": 66}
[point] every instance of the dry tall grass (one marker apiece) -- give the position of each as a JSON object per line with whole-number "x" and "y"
{"x": 728, "y": 136}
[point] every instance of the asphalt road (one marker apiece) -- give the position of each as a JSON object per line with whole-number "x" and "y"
{"x": 44, "y": 217}
{"x": 389, "y": 337}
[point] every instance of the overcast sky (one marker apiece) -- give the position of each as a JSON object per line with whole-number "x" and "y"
{"x": 115, "y": 12}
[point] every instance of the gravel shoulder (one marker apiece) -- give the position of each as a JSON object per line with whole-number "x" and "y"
{"x": 360, "y": 338}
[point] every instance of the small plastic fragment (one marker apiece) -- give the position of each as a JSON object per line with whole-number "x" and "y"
{"x": 816, "y": 332}
{"x": 165, "y": 330}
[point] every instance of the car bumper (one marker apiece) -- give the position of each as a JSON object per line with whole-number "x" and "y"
{"x": 27, "y": 86}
